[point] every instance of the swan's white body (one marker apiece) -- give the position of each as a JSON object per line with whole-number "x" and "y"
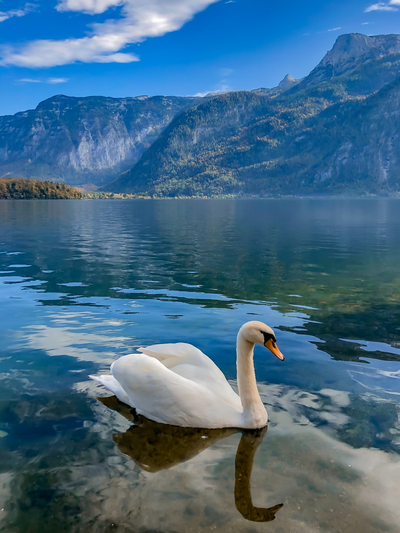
{"x": 177, "y": 384}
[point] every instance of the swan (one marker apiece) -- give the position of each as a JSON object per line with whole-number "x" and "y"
{"x": 179, "y": 385}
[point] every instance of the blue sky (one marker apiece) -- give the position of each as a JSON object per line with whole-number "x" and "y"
{"x": 181, "y": 47}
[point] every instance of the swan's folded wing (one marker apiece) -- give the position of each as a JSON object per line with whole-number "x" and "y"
{"x": 177, "y": 353}
{"x": 188, "y": 361}
{"x": 165, "y": 396}
{"x": 181, "y": 353}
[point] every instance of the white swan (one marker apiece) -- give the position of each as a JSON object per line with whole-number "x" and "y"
{"x": 177, "y": 384}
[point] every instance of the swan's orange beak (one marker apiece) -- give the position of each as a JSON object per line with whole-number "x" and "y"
{"x": 272, "y": 346}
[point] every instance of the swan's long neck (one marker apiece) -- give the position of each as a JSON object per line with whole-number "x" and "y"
{"x": 254, "y": 412}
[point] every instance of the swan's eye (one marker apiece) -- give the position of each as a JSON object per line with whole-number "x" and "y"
{"x": 268, "y": 337}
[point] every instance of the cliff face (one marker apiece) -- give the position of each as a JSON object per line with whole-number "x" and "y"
{"x": 366, "y": 155}
{"x": 83, "y": 140}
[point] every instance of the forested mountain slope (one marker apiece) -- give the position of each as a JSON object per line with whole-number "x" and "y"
{"x": 313, "y": 137}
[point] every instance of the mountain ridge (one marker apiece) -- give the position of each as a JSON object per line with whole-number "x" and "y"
{"x": 348, "y": 52}
{"x": 264, "y": 141}
{"x": 250, "y": 142}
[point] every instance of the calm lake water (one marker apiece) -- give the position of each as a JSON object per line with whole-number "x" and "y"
{"x": 84, "y": 282}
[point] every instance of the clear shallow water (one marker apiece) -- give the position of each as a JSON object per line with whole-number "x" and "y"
{"x": 82, "y": 283}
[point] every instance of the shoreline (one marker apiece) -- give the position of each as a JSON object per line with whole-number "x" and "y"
{"x": 222, "y": 197}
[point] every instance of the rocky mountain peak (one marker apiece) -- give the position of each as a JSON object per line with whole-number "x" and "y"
{"x": 287, "y": 81}
{"x": 349, "y": 52}
{"x": 354, "y": 48}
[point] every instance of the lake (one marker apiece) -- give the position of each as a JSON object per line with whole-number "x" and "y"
{"x": 84, "y": 282}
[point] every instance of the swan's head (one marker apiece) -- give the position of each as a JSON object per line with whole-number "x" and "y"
{"x": 259, "y": 333}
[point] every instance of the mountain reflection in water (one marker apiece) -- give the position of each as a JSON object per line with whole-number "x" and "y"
{"x": 155, "y": 447}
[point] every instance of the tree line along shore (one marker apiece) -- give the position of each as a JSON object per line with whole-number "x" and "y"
{"x": 25, "y": 189}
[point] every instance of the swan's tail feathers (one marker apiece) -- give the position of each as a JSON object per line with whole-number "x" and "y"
{"x": 113, "y": 386}
{"x": 95, "y": 378}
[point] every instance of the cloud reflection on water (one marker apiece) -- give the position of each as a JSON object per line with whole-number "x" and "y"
{"x": 319, "y": 479}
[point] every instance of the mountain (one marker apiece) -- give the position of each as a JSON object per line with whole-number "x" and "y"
{"x": 333, "y": 131}
{"x": 355, "y": 146}
{"x": 83, "y": 140}
{"x": 285, "y": 84}
{"x": 349, "y": 52}
{"x": 287, "y": 81}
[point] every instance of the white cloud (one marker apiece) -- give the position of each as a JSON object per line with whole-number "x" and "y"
{"x": 223, "y": 86}
{"x": 381, "y": 6}
{"x": 222, "y": 89}
{"x": 51, "y": 81}
{"x": 325, "y": 31}
{"x": 29, "y": 80}
{"x": 93, "y": 7}
{"x": 55, "y": 81}
{"x": 5, "y": 15}
{"x": 364, "y": 23}
{"x": 141, "y": 19}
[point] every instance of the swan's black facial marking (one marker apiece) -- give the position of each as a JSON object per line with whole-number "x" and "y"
{"x": 269, "y": 337}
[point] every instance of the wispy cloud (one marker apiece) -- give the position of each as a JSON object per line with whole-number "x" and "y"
{"x": 324, "y": 31}
{"x": 223, "y": 86}
{"x": 56, "y": 81}
{"x": 383, "y": 6}
{"x": 141, "y": 19}
{"x": 224, "y": 83}
{"x": 51, "y": 81}
{"x": 5, "y": 15}
{"x": 222, "y": 90}
{"x": 93, "y": 7}
{"x": 29, "y": 80}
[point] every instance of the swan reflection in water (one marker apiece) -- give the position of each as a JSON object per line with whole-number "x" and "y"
{"x": 154, "y": 447}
